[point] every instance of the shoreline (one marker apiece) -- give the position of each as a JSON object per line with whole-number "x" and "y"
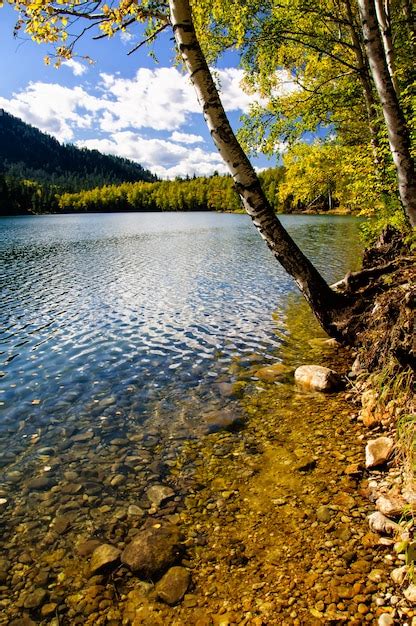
{"x": 273, "y": 513}
{"x": 332, "y": 213}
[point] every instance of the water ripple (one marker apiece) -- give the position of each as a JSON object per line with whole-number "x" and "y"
{"x": 93, "y": 304}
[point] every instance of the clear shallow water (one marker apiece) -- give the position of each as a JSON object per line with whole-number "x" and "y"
{"x": 121, "y": 338}
{"x": 142, "y": 312}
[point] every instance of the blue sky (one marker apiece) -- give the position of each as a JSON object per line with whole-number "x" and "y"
{"x": 124, "y": 105}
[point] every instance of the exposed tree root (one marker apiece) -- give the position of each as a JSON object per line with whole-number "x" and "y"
{"x": 381, "y": 317}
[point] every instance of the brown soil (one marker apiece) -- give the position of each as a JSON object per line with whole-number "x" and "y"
{"x": 382, "y": 324}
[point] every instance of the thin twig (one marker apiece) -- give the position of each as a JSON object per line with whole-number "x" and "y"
{"x": 150, "y": 38}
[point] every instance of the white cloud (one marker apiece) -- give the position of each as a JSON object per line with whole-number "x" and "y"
{"x": 187, "y": 138}
{"x": 157, "y": 100}
{"x": 160, "y": 99}
{"x": 77, "y": 68}
{"x": 232, "y": 94}
{"x": 163, "y": 99}
{"x": 164, "y": 158}
{"x": 125, "y": 36}
{"x": 53, "y": 108}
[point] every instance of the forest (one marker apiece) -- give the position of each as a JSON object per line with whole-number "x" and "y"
{"x": 35, "y": 168}
{"x": 200, "y": 193}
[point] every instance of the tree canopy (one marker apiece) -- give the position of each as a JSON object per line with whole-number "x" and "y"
{"x": 309, "y": 61}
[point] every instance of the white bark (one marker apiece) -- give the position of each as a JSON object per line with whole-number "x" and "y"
{"x": 383, "y": 18}
{"x": 397, "y": 130}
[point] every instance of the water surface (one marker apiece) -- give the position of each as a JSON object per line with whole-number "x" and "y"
{"x": 123, "y": 338}
{"x": 135, "y": 308}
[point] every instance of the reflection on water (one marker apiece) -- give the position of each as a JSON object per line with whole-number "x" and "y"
{"x": 134, "y": 317}
{"x": 120, "y": 334}
{"x": 92, "y": 305}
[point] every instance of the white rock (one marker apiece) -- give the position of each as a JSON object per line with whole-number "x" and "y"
{"x": 356, "y": 368}
{"x": 410, "y": 594}
{"x": 378, "y": 451}
{"x": 385, "y": 620}
{"x": 318, "y": 378}
{"x": 392, "y": 506}
{"x": 399, "y": 574}
{"x": 379, "y": 523}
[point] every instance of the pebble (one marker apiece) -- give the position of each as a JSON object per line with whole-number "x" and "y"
{"x": 324, "y": 514}
{"x": 158, "y": 494}
{"x": 172, "y": 587}
{"x": 104, "y": 558}
{"x": 410, "y": 593}
{"x": 39, "y": 483}
{"x": 34, "y": 599}
{"x": 378, "y": 451}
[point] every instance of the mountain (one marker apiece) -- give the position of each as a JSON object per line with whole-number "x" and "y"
{"x": 27, "y": 153}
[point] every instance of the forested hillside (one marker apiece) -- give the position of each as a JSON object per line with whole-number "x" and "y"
{"x": 34, "y": 167}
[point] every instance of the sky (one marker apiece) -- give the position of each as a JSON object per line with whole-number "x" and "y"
{"x": 126, "y": 105}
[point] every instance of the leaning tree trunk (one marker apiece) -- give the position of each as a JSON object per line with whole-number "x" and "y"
{"x": 397, "y": 130}
{"x": 323, "y": 300}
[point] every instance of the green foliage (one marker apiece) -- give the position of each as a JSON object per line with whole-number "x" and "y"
{"x": 20, "y": 197}
{"x": 215, "y": 193}
{"x": 327, "y": 175}
{"x": 389, "y": 213}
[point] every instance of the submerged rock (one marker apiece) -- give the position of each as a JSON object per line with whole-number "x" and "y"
{"x": 153, "y": 550}
{"x": 34, "y": 599}
{"x": 173, "y": 585}
{"x": 39, "y": 482}
{"x": 87, "y": 547}
{"x": 305, "y": 463}
{"x": 318, "y": 378}
{"x": 324, "y": 514}
{"x": 104, "y": 558}
{"x": 271, "y": 373}
{"x": 378, "y": 451}
{"x": 157, "y": 494}
{"x": 221, "y": 420}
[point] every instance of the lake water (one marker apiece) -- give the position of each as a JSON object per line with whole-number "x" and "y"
{"x": 139, "y": 312}
{"x": 125, "y": 340}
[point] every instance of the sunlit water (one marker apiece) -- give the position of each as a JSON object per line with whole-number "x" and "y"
{"x": 123, "y": 337}
{"x": 136, "y": 311}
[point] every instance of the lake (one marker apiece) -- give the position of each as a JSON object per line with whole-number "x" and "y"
{"x": 129, "y": 310}
{"x": 124, "y": 338}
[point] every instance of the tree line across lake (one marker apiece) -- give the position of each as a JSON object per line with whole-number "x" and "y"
{"x": 313, "y": 178}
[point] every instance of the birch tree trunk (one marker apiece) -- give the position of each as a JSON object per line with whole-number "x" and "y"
{"x": 383, "y": 17}
{"x": 323, "y": 300}
{"x": 397, "y": 130}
